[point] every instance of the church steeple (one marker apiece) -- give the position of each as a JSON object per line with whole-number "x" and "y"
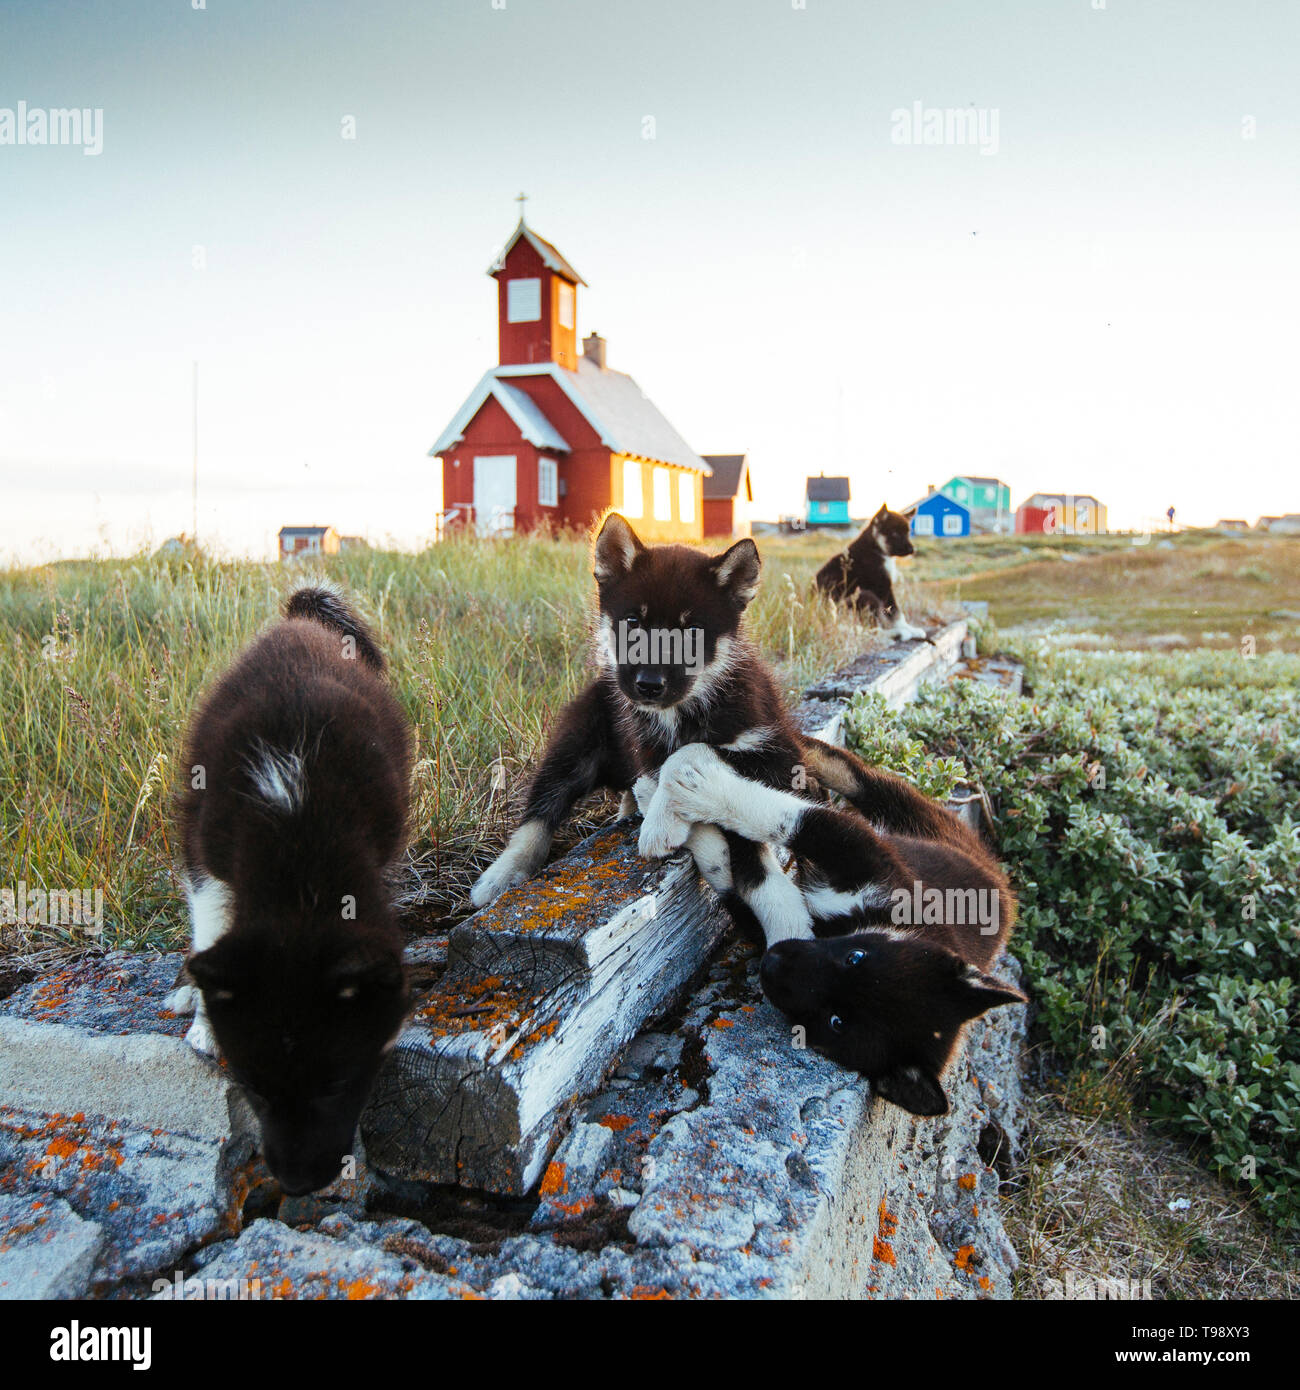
{"x": 537, "y": 300}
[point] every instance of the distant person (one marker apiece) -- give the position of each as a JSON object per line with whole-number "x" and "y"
{"x": 1170, "y": 515}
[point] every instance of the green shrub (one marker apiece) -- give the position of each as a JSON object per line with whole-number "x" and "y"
{"x": 1146, "y": 808}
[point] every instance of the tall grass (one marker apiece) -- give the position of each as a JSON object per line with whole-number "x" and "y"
{"x": 104, "y": 661}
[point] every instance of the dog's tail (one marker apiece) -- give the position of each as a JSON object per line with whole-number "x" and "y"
{"x": 331, "y": 610}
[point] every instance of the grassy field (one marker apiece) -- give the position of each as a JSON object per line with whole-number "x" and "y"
{"x": 105, "y": 659}
{"x": 1197, "y": 589}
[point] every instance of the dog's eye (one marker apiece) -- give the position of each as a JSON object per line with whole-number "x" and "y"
{"x": 855, "y": 958}
{"x": 835, "y": 1023}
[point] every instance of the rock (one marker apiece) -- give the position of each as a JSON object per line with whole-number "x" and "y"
{"x": 153, "y": 1196}
{"x": 94, "y": 1038}
{"x": 568, "y": 1186}
{"x": 46, "y": 1249}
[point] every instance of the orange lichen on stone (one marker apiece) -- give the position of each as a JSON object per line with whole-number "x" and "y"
{"x": 966, "y": 1182}
{"x": 963, "y": 1257}
{"x": 888, "y": 1222}
{"x": 359, "y": 1289}
{"x": 724, "y": 1023}
{"x": 615, "y": 1122}
{"x": 575, "y": 1208}
{"x": 883, "y": 1251}
{"x": 646, "y": 1292}
{"x": 554, "y": 1181}
{"x": 985, "y": 1282}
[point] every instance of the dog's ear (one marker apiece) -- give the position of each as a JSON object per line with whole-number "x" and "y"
{"x": 978, "y": 992}
{"x": 736, "y": 571}
{"x": 915, "y": 1090}
{"x": 882, "y": 513}
{"x": 616, "y": 547}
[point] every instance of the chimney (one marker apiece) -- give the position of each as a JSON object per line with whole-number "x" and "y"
{"x": 929, "y": 488}
{"x": 593, "y": 349}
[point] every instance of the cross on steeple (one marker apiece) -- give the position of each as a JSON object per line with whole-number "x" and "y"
{"x": 521, "y": 199}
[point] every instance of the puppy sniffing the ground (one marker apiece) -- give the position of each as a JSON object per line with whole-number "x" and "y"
{"x": 864, "y": 575}
{"x": 295, "y": 802}
{"x": 673, "y": 668}
{"x": 909, "y": 911}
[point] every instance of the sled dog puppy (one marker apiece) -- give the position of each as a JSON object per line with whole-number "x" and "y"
{"x": 295, "y": 801}
{"x": 909, "y": 912}
{"x": 864, "y": 575}
{"x": 673, "y": 667}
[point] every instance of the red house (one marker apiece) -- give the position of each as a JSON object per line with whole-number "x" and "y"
{"x": 551, "y": 435}
{"x": 727, "y": 496}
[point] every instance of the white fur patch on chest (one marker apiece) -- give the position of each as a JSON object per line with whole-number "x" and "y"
{"x": 891, "y": 569}
{"x": 212, "y": 908}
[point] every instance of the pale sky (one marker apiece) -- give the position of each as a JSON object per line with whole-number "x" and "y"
{"x": 1106, "y": 301}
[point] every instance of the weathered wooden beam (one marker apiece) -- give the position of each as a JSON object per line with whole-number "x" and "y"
{"x": 545, "y": 987}
{"x": 542, "y": 990}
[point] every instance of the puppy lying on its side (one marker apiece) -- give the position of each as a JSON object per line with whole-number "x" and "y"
{"x": 864, "y": 575}
{"x": 909, "y": 910}
{"x": 298, "y": 768}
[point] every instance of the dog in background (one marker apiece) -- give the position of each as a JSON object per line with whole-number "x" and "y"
{"x": 864, "y": 575}
{"x": 909, "y": 912}
{"x": 296, "y": 802}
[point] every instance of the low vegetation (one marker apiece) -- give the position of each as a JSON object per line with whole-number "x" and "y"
{"x": 1145, "y": 805}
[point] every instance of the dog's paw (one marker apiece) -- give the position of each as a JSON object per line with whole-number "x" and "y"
{"x": 643, "y": 792}
{"x": 906, "y": 632}
{"x": 694, "y": 783}
{"x": 496, "y": 879}
{"x": 202, "y": 1039}
{"x": 627, "y": 806}
{"x": 662, "y": 831}
{"x": 184, "y": 999}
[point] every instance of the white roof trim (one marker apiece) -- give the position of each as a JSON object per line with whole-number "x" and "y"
{"x": 526, "y": 413}
{"x": 538, "y": 430}
{"x": 533, "y": 425}
{"x": 551, "y": 257}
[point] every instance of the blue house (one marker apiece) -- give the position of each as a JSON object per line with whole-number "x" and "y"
{"x": 827, "y": 501}
{"x": 938, "y": 515}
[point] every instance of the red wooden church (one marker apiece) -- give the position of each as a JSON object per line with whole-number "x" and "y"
{"x": 549, "y": 434}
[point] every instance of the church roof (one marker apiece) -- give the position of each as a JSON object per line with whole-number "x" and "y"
{"x": 612, "y": 403}
{"x": 551, "y": 258}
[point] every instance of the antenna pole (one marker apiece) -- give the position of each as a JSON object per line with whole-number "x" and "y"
{"x": 194, "y": 478}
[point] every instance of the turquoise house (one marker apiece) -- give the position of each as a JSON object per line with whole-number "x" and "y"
{"x": 988, "y": 500}
{"x": 827, "y": 501}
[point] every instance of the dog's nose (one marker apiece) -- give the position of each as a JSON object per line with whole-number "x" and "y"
{"x": 651, "y": 684}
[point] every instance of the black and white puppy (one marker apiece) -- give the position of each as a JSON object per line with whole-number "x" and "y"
{"x": 909, "y": 911}
{"x": 864, "y": 575}
{"x": 294, "y": 804}
{"x": 673, "y": 667}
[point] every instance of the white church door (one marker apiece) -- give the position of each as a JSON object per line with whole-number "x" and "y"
{"x": 495, "y": 494}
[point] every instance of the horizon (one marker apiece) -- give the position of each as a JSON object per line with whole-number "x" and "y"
{"x": 1088, "y": 284}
